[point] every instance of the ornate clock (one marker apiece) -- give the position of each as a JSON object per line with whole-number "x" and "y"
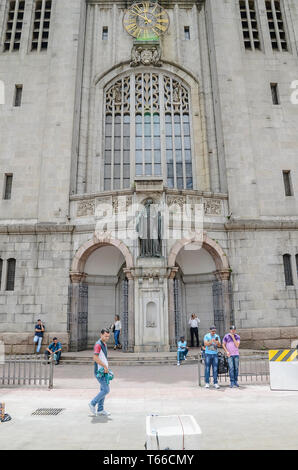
{"x": 146, "y": 21}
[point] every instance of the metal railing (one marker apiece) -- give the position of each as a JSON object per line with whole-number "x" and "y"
{"x": 253, "y": 369}
{"x": 26, "y": 370}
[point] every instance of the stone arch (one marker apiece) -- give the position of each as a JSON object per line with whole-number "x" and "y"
{"x": 221, "y": 288}
{"x": 211, "y": 246}
{"x": 78, "y": 294}
{"x": 88, "y": 247}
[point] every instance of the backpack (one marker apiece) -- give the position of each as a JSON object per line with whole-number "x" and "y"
{"x": 223, "y": 365}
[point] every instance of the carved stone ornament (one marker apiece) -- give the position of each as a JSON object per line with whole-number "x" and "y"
{"x": 146, "y": 54}
{"x": 86, "y": 208}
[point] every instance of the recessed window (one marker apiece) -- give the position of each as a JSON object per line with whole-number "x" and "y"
{"x": 7, "y": 186}
{"x": 105, "y": 33}
{"x": 276, "y": 25}
{"x": 41, "y": 25}
{"x": 288, "y": 183}
{"x": 250, "y": 28}
{"x": 1, "y": 268}
{"x": 186, "y": 33}
{"x": 288, "y": 270}
{"x": 14, "y": 26}
{"x": 18, "y": 95}
{"x": 11, "y": 270}
{"x": 275, "y": 93}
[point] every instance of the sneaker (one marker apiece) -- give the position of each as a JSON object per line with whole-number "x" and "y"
{"x": 178, "y": 363}
{"x": 237, "y": 385}
{"x": 207, "y": 386}
{"x": 216, "y": 386}
{"x": 92, "y": 409}
{"x": 231, "y": 385}
{"x": 103, "y": 413}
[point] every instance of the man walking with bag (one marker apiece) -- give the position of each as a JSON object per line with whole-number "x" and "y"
{"x": 231, "y": 343}
{"x": 100, "y": 357}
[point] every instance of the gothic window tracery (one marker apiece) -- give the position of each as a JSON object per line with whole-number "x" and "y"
{"x": 147, "y": 131}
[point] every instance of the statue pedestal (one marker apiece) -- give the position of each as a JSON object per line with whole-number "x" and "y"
{"x": 151, "y": 305}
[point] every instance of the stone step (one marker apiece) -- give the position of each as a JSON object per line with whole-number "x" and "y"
{"x": 124, "y": 359}
{"x": 112, "y": 363}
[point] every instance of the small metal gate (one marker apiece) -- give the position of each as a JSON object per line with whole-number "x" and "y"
{"x": 177, "y": 309}
{"x": 83, "y": 317}
{"x": 26, "y": 371}
{"x": 219, "y": 319}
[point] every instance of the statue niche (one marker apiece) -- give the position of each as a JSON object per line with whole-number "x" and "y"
{"x": 149, "y": 225}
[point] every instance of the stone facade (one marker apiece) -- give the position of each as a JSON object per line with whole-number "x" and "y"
{"x": 241, "y": 144}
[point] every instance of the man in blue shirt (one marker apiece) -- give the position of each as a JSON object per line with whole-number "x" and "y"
{"x": 39, "y": 331}
{"x": 182, "y": 350}
{"x": 211, "y": 343}
{"x": 54, "y": 350}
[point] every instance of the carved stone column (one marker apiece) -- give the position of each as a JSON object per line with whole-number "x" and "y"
{"x": 77, "y": 343}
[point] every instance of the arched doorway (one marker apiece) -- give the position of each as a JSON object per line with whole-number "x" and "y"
{"x": 199, "y": 283}
{"x": 101, "y": 287}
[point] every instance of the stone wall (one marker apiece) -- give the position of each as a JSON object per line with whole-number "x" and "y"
{"x": 268, "y": 338}
{"x": 43, "y": 256}
{"x": 22, "y": 343}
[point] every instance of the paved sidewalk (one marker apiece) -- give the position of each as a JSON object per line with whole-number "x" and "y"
{"x": 250, "y": 418}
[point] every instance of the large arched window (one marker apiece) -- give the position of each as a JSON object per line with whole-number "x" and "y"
{"x": 147, "y": 131}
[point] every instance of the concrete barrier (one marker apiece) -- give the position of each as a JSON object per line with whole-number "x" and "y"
{"x": 283, "y": 367}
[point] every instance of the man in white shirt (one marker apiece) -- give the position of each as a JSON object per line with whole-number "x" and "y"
{"x": 100, "y": 357}
{"x": 194, "y": 323}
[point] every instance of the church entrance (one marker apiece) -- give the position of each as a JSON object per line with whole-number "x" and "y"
{"x": 107, "y": 293}
{"x": 201, "y": 285}
{"x": 100, "y": 289}
{"x": 193, "y": 290}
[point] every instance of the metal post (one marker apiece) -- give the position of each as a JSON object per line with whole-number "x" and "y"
{"x": 51, "y": 377}
{"x": 199, "y": 370}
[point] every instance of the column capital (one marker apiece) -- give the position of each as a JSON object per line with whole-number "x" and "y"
{"x": 76, "y": 277}
{"x": 128, "y": 273}
{"x": 172, "y": 272}
{"x": 223, "y": 274}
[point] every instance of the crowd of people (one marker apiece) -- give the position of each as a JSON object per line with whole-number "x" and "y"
{"x": 210, "y": 348}
{"x": 210, "y": 355}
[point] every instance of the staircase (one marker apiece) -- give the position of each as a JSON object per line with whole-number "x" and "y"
{"x": 117, "y": 358}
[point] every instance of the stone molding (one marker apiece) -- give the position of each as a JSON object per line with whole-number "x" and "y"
{"x": 164, "y": 3}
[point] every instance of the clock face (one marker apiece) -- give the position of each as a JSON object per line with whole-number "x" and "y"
{"x": 146, "y": 21}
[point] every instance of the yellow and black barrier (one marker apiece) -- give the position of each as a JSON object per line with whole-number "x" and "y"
{"x": 283, "y": 355}
{"x": 283, "y": 366}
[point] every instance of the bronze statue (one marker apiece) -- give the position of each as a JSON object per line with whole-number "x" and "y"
{"x": 149, "y": 230}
